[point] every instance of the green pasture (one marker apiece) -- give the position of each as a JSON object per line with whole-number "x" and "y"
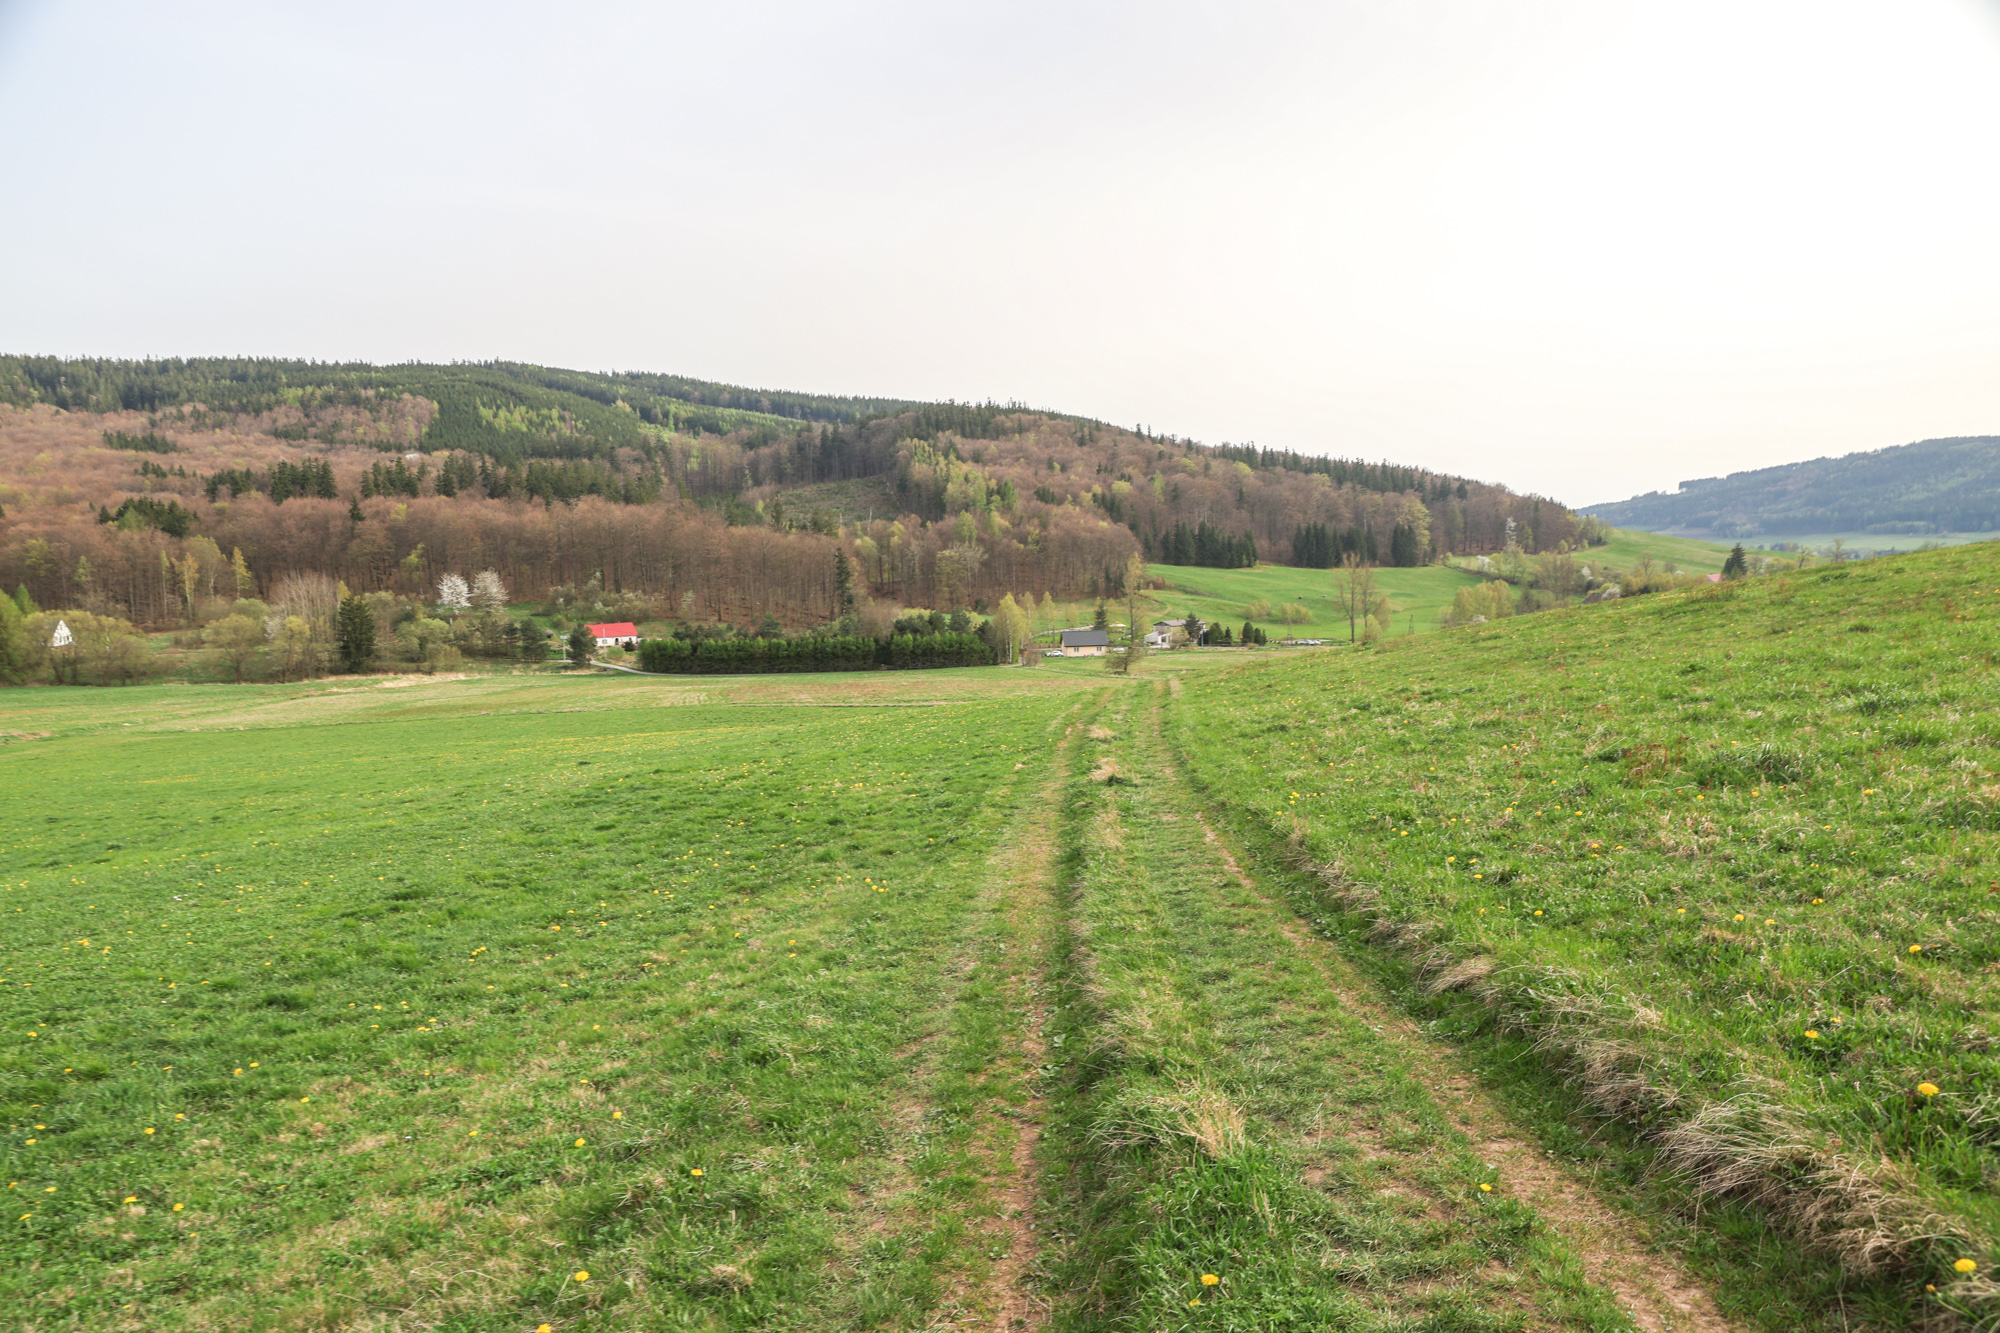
{"x": 1727, "y": 855}
{"x": 1627, "y": 546}
{"x": 412, "y": 1007}
{"x": 1220, "y": 596}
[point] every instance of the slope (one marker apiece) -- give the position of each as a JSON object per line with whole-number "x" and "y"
{"x": 1725, "y": 855}
{"x": 1911, "y": 490}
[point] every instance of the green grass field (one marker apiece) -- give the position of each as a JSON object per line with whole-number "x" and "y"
{"x": 1417, "y": 989}
{"x": 1220, "y": 595}
{"x": 1728, "y": 856}
{"x": 1627, "y": 546}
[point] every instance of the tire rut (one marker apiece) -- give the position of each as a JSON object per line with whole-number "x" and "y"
{"x": 1654, "y": 1291}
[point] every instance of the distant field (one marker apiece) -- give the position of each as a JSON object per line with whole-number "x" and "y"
{"x": 1901, "y": 543}
{"x": 1727, "y": 856}
{"x": 1220, "y": 595}
{"x": 1684, "y": 553}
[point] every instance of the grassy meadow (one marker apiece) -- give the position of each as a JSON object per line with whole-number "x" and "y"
{"x": 1625, "y": 966}
{"x": 407, "y": 1008}
{"x": 1727, "y": 857}
{"x": 1220, "y": 596}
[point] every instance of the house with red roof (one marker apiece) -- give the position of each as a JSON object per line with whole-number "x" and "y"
{"x": 618, "y": 634}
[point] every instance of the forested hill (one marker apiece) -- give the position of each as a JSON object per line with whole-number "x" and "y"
{"x": 707, "y": 499}
{"x": 480, "y": 405}
{"x": 1949, "y": 485}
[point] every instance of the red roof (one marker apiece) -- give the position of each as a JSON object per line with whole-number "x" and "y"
{"x": 624, "y": 629}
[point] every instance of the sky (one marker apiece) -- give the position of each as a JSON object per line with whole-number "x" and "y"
{"x": 1585, "y": 249}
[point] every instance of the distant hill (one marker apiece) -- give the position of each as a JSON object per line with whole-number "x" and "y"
{"x": 1950, "y": 485}
{"x": 713, "y": 500}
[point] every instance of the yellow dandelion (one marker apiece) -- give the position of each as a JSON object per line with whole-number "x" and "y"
{"x": 1916, "y": 948}
{"x": 1195, "y": 1301}
{"x": 131, "y": 1198}
{"x": 1967, "y": 1265}
{"x": 617, "y": 1115}
{"x": 1739, "y": 916}
{"x": 582, "y": 1275}
{"x": 31, "y": 1140}
{"x": 579, "y": 1143}
{"x": 150, "y": 1131}
{"x": 696, "y": 1171}
{"x": 1485, "y": 1188}
{"x": 472, "y": 1134}
{"x": 1209, "y": 1279}
{"x": 544, "y": 1328}
{"x": 1928, "y": 1089}
{"x": 179, "y": 1206}
{"x": 1814, "y": 1036}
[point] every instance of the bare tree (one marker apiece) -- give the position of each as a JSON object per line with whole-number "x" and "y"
{"x": 1356, "y": 593}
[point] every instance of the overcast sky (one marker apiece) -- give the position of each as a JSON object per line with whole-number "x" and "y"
{"x": 1586, "y": 249}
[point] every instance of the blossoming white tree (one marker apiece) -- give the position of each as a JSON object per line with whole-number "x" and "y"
{"x": 488, "y": 592}
{"x": 453, "y": 594}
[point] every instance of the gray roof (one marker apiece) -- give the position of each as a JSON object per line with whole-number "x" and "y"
{"x": 1086, "y": 638}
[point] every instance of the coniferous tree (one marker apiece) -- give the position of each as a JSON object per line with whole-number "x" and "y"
{"x": 582, "y": 646}
{"x": 1738, "y": 563}
{"x": 843, "y": 584}
{"x": 354, "y": 634}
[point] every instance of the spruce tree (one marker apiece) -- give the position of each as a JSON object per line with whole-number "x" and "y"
{"x": 354, "y": 634}
{"x": 843, "y": 584}
{"x": 1738, "y": 563}
{"x": 582, "y": 646}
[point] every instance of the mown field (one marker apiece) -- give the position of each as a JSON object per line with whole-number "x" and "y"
{"x": 1727, "y": 858}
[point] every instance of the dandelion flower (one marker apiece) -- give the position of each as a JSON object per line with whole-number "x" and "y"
{"x": 1195, "y": 1301}
{"x": 304, "y": 1100}
{"x": 579, "y": 1143}
{"x": 695, "y": 1171}
{"x": 582, "y": 1275}
{"x": 1739, "y": 916}
{"x": 1209, "y": 1279}
{"x": 31, "y": 1140}
{"x": 1916, "y": 948}
{"x": 1928, "y": 1089}
{"x": 544, "y": 1328}
{"x": 149, "y": 1131}
{"x": 179, "y": 1206}
{"x": 1811, "y": 1035}
{"x": 131, "y": 1198}
{"x": 1967, "y": 1265}
{"x": 1538, "y": 911}
{"x": 472, "y": 1134}
{"x": 617, "y": 1115}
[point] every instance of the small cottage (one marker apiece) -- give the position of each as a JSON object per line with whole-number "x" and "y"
{"x": 1085, "y": 642}
{"x": 619, "y": 634}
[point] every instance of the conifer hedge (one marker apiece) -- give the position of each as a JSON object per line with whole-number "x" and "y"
{"x": 731, "y": 657}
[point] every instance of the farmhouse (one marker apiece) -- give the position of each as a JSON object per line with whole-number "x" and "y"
{"x": 618, "y": 634}
{"x": 1085, "y": 642}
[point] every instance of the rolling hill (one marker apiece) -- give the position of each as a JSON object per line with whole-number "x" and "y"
{"x": 701, "y": 500}
{"x": 1916, "y": 490}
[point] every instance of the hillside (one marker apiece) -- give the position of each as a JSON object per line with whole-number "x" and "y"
{"x": 700, "y": 501}
{"x": 1722, "y": 857}
{"x": 1909, "y": 491}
